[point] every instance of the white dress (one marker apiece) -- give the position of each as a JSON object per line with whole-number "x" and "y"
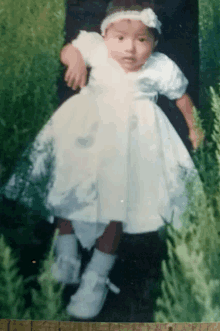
{"x": 116, "y": 156}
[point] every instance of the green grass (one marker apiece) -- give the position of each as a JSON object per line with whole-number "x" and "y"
{"x": 32, "y": 35}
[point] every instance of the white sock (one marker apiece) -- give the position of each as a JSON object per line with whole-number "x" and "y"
{"x": 101, "y": 262}
{"x": 67, "y": 245}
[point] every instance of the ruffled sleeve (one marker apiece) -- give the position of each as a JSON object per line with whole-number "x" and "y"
{"x": 87, "y": 43}
{"x": 172, "y": 82}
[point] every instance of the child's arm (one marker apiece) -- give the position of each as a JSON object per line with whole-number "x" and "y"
{"x": 76, "y": 73}
{"x": 185, "y": 105}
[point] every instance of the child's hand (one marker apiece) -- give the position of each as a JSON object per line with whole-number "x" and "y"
{"x": 196, "y": 136}
{"x": 76, "y": 74}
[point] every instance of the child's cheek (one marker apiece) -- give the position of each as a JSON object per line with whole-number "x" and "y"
{"x": 113, "y": 50}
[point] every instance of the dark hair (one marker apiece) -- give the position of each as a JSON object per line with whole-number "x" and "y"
{"x": 125, "y": 5}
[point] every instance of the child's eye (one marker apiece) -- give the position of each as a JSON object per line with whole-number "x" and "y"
{"x": 120, "y": 37}
{"x": 142, "y": 39}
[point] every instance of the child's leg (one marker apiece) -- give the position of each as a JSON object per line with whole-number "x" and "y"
{"x": 67, "y": 267}
{"x": 67, "y": 243}
{"x": 95, "y": 283}
{"x": 104, "y": 256}
{"x": 108, "y": 242}
{"x": 64, "y": 226}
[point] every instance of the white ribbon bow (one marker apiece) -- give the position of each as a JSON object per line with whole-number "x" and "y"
{"x": 149, "y": 18}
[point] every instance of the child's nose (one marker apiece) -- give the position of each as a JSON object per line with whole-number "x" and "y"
{"x": 130, "y": 45}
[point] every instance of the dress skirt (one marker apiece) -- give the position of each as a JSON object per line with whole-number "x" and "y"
{"x": 107, "y": 155}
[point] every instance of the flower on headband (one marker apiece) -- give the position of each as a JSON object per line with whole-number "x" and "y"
{"x": 149, "y": 18}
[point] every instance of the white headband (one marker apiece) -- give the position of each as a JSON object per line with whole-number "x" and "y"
{"x": 147, "y": 16}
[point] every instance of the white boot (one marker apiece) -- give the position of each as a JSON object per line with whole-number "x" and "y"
{"x": 66, "y": 269}
{"x": 95, "y": 284}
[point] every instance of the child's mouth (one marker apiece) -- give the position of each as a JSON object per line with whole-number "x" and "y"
{"x": 128, "y": 59}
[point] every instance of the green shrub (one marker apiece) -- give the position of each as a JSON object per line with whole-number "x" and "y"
{"x": 190, "y": 289}
{"x": 191, "y": 284}
{"x": 47, "y": 303}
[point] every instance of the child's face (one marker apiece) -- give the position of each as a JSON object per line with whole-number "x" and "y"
{"x": 129, "y": 43}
